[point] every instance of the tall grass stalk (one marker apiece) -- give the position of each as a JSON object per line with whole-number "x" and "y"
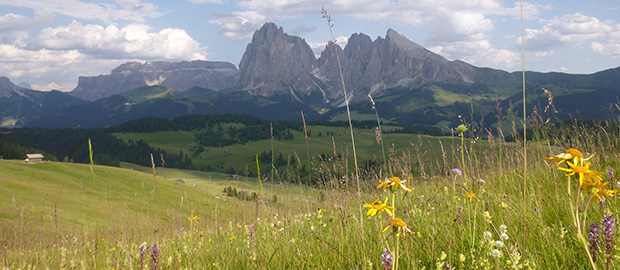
{"x": 90, "y": 154}
{"x": 328, "y": 18}
{"x": 524, "y": 134}
{"x": 379, "y": 133}
{"x": 273, "y": 168}
{"x": 307, "y": 148}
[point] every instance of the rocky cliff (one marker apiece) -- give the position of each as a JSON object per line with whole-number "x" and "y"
{"x": 180, "y": 76}
{"x": 276, "y": 63}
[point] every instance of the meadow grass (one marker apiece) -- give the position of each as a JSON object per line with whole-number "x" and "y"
{"x": 54, "y": 216}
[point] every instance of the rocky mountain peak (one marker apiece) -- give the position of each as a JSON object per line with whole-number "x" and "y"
{"x": 275, "y": 62}
{"x": 8, "y": 89}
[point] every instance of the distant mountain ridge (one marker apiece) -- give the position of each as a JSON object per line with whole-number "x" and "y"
{"x": 279, "y": 76}
{"x": 180, "y": 76}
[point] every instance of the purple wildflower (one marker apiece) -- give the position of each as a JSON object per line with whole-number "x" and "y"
{"x": 386, "y": 259}
{"x": 608, "y": 224}
{"x": 535, "y": 209}
{"x": 611, "y": 174}
{"x": 481, "y": 181}
{"x": 142, "y": 248}
{"x": 457, "y": 171}
{"x": 602, "y": 203}
{"x": 448, "y": 266}
{"x": 155, "y": 256}
{"x": 594, "y": 239}
{"x": 340, "y": 206}
{"x": 217, "y": 197}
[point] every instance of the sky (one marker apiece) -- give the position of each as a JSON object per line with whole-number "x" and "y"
{"x": 48, "y": 44}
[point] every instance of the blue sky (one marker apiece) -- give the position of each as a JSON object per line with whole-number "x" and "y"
{"x": 48, "y": 44}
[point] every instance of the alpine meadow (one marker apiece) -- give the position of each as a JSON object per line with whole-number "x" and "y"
{"x": 378, "y": 155}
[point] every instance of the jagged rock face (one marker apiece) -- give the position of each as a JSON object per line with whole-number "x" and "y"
{"x": 275, "y": 62}
{"x": 371, "y": 66}
{"x": 8, "y": 89}
{"x": 180, "y": 76}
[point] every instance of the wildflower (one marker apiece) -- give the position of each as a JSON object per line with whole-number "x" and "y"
{"x": 503, "y": 228}
{"x": 461, "y": 128}
{"x": 582, "y": 170}
{"x": 597, "y": 189}
{"x": 487, "y": 217}
{"x": 504, "y": 236}
{"x": 487, "y": 235}
{"x": 232, "y": 238}
{"x": 593, "y": 240}
{"x": 155, "y": 252}
{"x": 112, "y": 249}
{"x": 608, "y": 233}
{"x": 611, "y": 174}
{"x": 481, "y": 181}
{"x": 398, "y": 225}
{"x": 496, "y": 253}
{"x": 457, "y": 171}
{"x": 142, "y": 248}
{"x": 217, "y": 197}
{"x": 602, "y": 203}
{"x": 499, "y": 244}
{"x": 470, "y": 195}
{"x": 394, "y": 184}
{"x": 376, "y": 207}
{"x": 386, "y": 259}
{"x": 570, "y": 154}
{"x": 536, "y": 209}
{"x": 194, "y": 219}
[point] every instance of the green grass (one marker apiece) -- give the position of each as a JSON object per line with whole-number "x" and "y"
{"x": 240, "y": 156}
{"x": 53, "y": 215}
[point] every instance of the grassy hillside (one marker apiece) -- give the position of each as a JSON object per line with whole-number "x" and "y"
{"x": 322, "y": 140}
{"x": 41, "y": 204}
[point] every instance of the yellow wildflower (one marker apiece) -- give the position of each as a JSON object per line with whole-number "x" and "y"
{"x": 376, "y": 207}
{"x": 570, "y": 154}
{"x": 394, "y": 183}
{"x": 398, "y": 225}
{"x": 194, "y": 218}
{"x": 583, "y": 171}
{"x": 470, "y": 195}
{"x": 597, "y": 188}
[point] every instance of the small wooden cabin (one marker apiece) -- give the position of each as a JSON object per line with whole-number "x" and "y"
{"x": 33, "y": 158}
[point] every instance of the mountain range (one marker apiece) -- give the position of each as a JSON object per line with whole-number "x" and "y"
{"x": 279, "y": 76}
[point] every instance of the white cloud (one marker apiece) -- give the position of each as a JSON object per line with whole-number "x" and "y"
{"x": 573, "y": 29}
{"x": 607, "y": 49}
{"x": 480, "y": 53}
{"x": 205, "y": 1}
{"x": 107, "y": 11}
{"x": 318, "y": 47}
{"x": 577, "y": 31}
{"x": 131, "y": 41}
{"x": 239, "y": 25}
{"x": 17, "y": 22}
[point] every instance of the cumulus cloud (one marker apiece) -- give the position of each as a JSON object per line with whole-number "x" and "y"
{"x": 318, "y": 47}
{"x": 575, "y": 30}
{"x": 132, "y": 41}
{"x": 107, "y": 11}
{"x": 239, "y": 25}
{"x": 17, "y": 22}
